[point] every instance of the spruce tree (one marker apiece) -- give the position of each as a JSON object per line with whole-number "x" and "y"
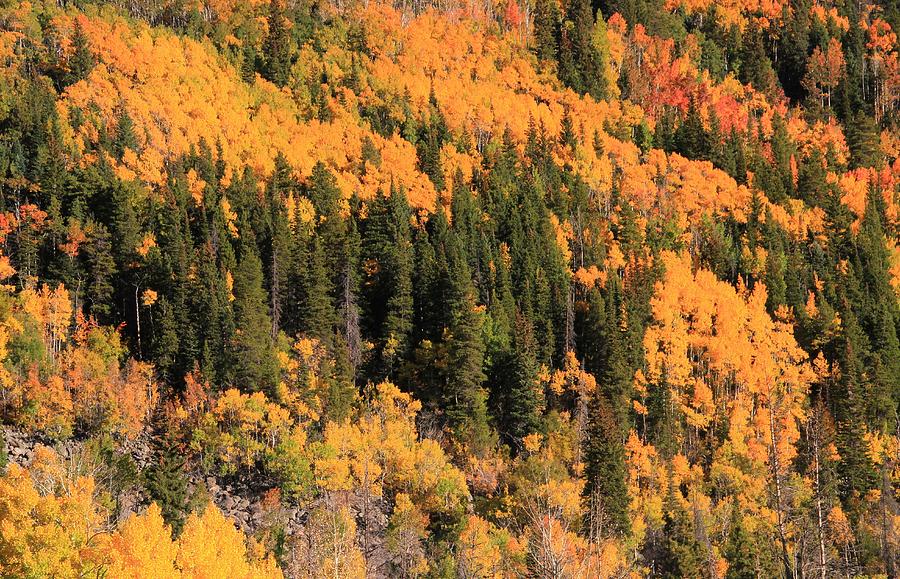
{"x": 316, "y": 312}
{"x": 388, "y": 287}
{"x": 546, "y": 30}
{"x": 249, "y": 59}
{"x": 464, "y": 397}
{"x": 776, "y": 267}
{"x": 167, "y": 486}
{"x": 255, "y": 367}
{"x": 863, "y": 141}
{"x": 756, "y": 68}
{"x": 691, "y": 138}
{"x": 782, "y": 151}
{"x": 747, "y": 556}
{"x": 124, "y": 136}
{"x": 581, "y": 66}
{"x": 101, "y": 273}
{"x": 165, "y": 339}
{"x": 432, "y": 136}
{"x": 812, "y": 186}
{"x": 516, "y": 393}
{"x": 605, "y": 469}
{"x": 82, "y": 60}
{"x": 857, "y": 474}
{"x": 347, "y": 288}
{"x": 277, "y": 46}
{"x": 683, "y": 555}
{"x": 664, "y": 137}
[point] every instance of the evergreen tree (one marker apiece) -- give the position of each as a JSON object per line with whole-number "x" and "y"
{"x": 125, "y": 137}
{"x": 249, "y": 59}
{"x": 756, "y": 68}
{"x": 431, "y": 139}
{"x": 167, "y": 486}
{"x": 340, "y": 388}
{"x": 546, "y": 30}
{"x": 863, "y": 140}
{"x": 581, "y": 66}
{"x": 101, "y": 272}
{"x": 683, "y": 555}
{"x": 316, "y": 311}
{"x": 278, "y": 243}
{"x": 464, "y": 397}
{"x": 165, "y": 340}
{"x": 857, "y": 475}
{"x": 793, "y": 48}
{"x": 691, "y": 138}
{"x": 664, "y": 137}
{"x": 605, "y": 468}
{"x": 255, "y": 366}
{"x": 776, "y": 267}
{"x": 782, "y": 151}
{"x": 82, "y": 60}
{"x": 347, "y": 288}
{"x": 277, "y": 46}
{"x": 611, "y": 367}
{"x": 388, "y": 288}
{"x": 516, "y": 391}
{"x": 812, "y": 186}
{"x": 735, "y": 151}
{"x": 747, "y": 556}
{"x": 427, "y": 289}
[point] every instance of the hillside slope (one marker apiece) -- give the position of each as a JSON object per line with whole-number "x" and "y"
{"x": 550, "y": 289}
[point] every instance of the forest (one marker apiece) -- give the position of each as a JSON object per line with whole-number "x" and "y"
{"x": 449, "y": 289}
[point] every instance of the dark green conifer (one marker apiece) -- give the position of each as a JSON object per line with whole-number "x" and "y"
{"x": 167, "y": 485}
{"x": 255, "y": 365}
{"x": 82, "y": 60}
{"x": 277, "y": 46}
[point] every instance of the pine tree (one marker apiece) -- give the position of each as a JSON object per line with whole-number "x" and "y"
{"x": 271, "y": 219}
{"x": 879, "y": 314}
{"x": 337, "y": 374}
{"x": 432, "y": 136}
{"x": 863, "y": 140}
{"x": 611, "y": 369}
{"x": 776, "y": 267}
{"x": 664, "y": 137}
{"x": 857, "y": 475}
{"x": 277, "y": 46}
{"x": 167, "y": 486}
{"x": 581, "y": 66}
{"x": 389, "y": 296}
{"x": 812, "y": 186}
{"x": 102, "y": 272}
{"x": 682, "y": 554}
{"x": 516, "y": 392}
{"x": 249, "y": 59}
{"x": 82, "y": 60}
{"x": 782, "y": 151}
{"x": 464, "y": 397}
{"x": 756, "y": 68}
{"x": 793, "y": 49}
{"x": 254, "y": 364}
{"x": 125, "y": 137}
{"x": 165, "y": 340}
{"x": 546, "y": 30}
{"x": 426, "y": 289}
{"x": 316, "y": 311}
{"x": 605, "y": 469}
{"x": 691, "y": 138}
{"x": 747, "y": 556}
{"x": 347, "y": 288}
